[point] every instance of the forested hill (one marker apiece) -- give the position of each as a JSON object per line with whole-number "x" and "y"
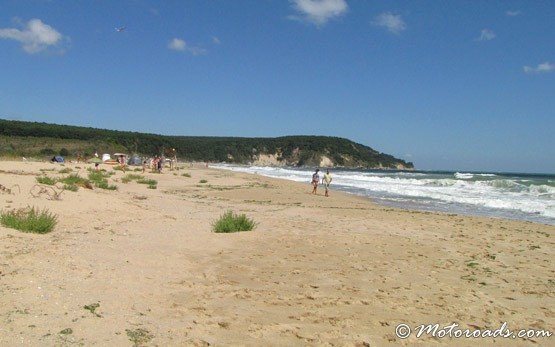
{"x": 33, "y": 139}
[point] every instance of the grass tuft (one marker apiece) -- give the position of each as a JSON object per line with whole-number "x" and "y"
{"x": 149, "y": 182}
{"x": 186, "y": 174}
{"x": 230, "y": 222}
{"x": 46, "y": 180}
{"x": 203, "y": 181}
{"x": 29, "y": 220}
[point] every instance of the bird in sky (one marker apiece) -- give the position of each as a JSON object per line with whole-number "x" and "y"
{"x": 120, "y": 29}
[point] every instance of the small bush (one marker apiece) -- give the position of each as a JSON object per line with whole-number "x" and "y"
{"x": 186, "y": 174}
{"x": 66, "y": 170}
{"x": 230, "y": 222}
{"x": 203, "y": 181}
{"x": 105, "y": 185}
{"x": 71, "y": 187}
{"x": 152, "y": 186}
{"x": 29, "y": 220}
{"x": 149, "y": 182}
{"x": 46, "y": 180}
{"x": 75, "y": 180}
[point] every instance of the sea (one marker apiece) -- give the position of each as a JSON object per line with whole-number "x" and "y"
{"x": 520, "y": 196}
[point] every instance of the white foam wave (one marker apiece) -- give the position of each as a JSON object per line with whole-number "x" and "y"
{"x": 501, "y": 194}
{"x": 463, "y": 176}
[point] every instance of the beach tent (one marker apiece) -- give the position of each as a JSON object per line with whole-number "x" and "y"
{"x": 57, "y": 159}
{"x": 106, "y": 157}
{"x": 134, "y": 160}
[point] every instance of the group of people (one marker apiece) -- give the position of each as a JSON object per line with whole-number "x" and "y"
{"x": 326, "y": 181}
{"x": 156, "y": 163}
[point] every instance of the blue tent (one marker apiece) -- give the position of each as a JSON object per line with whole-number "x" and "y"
{"x": 57, "y": 159}
{"x": 134, "y": 160}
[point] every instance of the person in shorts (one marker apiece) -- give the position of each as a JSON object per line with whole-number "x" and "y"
{"x": 315, "y": 181}
{"x": 326, "y": 181}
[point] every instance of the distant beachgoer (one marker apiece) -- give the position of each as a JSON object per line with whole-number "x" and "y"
{"x": 160, "y": 164}
{"x": 122, "y": 163}
{"x": 315, "y": 181}
{"x": 326, "y": 181}
{"x": 96, "y": 168}
{"x": 144, "y": 165}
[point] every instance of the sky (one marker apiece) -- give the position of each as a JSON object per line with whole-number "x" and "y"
{"x": 454, "y": 85}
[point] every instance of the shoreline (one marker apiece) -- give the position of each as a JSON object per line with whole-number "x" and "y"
{"x": 339, "y": 270}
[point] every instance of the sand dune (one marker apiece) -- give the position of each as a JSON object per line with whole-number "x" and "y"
{"x": 337, "y": 271}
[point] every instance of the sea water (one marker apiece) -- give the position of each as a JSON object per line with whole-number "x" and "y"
{"x": 529, "y": 197}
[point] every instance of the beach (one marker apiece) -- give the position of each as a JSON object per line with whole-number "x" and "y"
{"x": 142, "y": 266}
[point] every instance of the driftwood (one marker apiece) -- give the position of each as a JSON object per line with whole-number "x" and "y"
{"x": 7, "y": 190}
{"x": 51, "y": 193}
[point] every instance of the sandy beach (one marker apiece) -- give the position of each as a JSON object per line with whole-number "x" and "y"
{"x": 141, "y": 266}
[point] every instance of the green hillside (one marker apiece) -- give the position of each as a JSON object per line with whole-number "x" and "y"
{"x": 33, "y": 139}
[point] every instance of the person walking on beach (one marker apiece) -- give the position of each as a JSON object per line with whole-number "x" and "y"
{"x": 326, "y": 181}
{"x": 315, "y": 180}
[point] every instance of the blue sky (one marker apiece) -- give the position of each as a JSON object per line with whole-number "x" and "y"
{"x": 463, "y": 85}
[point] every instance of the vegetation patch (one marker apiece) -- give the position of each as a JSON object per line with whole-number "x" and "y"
{"x": 71, "y": 187}
{"x": 186, "y": 174}
{"x": 149, "y": 182}
{"x": 152, "y": 186}
{"x": 98, "y": 178}
{"x": 65, "y": 170}
{"x": 29, "y": 220}
{"x": 203, "y": 181}
{"x": 92, "y": 308}
{"x": 76, "y": 180}
{"x": 46, "y": 180}
{"x": 230, "y": 222}
{"x": 139, "y": 336}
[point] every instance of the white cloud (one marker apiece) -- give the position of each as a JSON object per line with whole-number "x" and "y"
{"x": 486, "y": 35}
{"x": 178, "y": 44}
{"x": 513, "y": 13}
{"x": 216, "y": 40}
{"x": 35, "y": 36}
{"x": 541, "y": 68}
{"x": 318, "y": 12}
{"x": 393, "y": 23}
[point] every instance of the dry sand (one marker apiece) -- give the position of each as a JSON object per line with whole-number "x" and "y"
{"x": 338, "y": 271}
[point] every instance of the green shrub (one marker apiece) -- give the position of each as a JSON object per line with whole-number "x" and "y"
{"x": 202, "y": 181}
{"x": 99, "y": 180}
{"x": 46, "y": 180}
{"x": 149, "y": 182}
{"x": 105, "y": 185}
{"x": 66, "y": 170}
{"x": 71, "y": 187}
{"x": 29, "y": 220}
{"x": 75, "y": 180}
{"x": 230, "y": 222}
{"x": 186, "y": 174}
{"x": 152, "y": 186}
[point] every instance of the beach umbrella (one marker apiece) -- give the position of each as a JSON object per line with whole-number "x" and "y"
{"x": 95, "y": 160}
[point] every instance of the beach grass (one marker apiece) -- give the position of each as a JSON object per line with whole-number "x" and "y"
{"x": 71, "y": 187}
{"x": 100, "y": 181}
{"x": 46, "y": 180}
{"x": 186, "y": 174}
{"x": 203, "y": 181}
{"x": 230, "y": 222}
{"x": 29, "y": 220}
{"x": 146, "y": 181}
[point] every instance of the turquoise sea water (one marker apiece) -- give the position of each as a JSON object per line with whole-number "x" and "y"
{"x": 529, "y": 197}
